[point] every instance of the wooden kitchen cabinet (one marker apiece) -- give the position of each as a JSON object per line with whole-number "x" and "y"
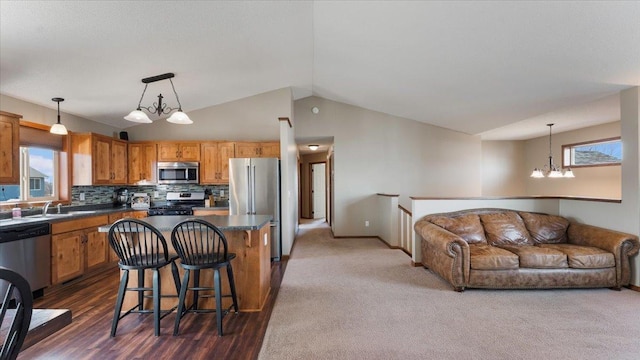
{"x": 142, "y": 162}
{"x": 9, "y": 148}
{"x": 179, "y": 151}
{"x": 77, "y": 248}
{"x": 257, "y": 149}
{"x": 98, "y": 160}
{"x": 214, "y": 167}
{"x": 67, "y": 258}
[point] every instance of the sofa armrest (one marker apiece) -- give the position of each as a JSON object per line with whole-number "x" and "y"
{"x": 622, "y": 246}
{"x": 445, "y": 253}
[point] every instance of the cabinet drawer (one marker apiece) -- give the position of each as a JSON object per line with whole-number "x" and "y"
{"x": 81, "y": 223}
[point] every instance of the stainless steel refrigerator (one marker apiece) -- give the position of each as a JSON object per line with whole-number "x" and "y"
{"x": 254, "y": 188}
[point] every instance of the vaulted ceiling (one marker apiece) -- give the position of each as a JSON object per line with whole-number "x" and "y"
{"x": 488, "y": 68}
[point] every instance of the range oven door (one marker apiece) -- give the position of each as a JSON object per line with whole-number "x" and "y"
{"x": 178, "y": 172}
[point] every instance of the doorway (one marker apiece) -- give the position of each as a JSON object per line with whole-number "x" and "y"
{"x": 318, "y": 190}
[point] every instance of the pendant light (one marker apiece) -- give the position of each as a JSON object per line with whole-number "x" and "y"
{"x": 58, "y": 128}
{"x": 178, "y": 117}
{"x": 551, "y": 170}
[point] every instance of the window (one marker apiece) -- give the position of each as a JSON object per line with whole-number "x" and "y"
{"x": 593, "y": 153}
{"x": 38, "y": 174}
{"x": 35, "y": 184}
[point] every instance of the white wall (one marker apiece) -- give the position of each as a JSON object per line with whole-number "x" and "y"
{"x": 626, "y": 215}
{"x": 388, "y": 219}
{"x": 503, "y": 168}
{"x": 380, "y": 153}
{"x": 601, "y": 182}
{"x": 289, "y": 179}
{"x": 252, "y": 118}
{"x": 49, "y": 116}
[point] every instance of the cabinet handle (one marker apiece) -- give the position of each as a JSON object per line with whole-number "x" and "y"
{"x": 177, "y": 153}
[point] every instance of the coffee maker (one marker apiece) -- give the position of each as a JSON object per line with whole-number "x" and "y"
{"x": 120, "y": 197}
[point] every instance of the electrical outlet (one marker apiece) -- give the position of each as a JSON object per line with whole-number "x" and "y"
{"x": 156, "y": 194}
{"x": 221, "y": 193}
{"x": 81, "y": 196}
{"x": 366, "y": 223}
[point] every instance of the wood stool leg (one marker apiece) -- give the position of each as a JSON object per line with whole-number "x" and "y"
{"x": 121, "y": 289}
{"x": 218, "y": 287}
{"x": 181, "y": 297}
{"x": 156, "y": 302}
{"x": 232, "y": 286}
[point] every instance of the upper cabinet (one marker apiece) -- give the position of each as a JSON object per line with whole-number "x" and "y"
{"x": 257, "y": 149}
{"x": 98, "y": 160}
{"x": 214, "y": 167}
{"x": 179, "y": 151}
{"x": 9, "y": 148}
{"x": 142, "y": 162}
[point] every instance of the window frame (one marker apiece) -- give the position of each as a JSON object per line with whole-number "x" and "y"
{"x": 568, "y": 147}
{"x": 25, "y": 180}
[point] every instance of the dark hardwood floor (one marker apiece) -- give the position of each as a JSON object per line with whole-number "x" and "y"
{"x": 92, "y": 302}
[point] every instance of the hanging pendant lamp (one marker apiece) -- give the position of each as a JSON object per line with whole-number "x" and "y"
{"x": 178, "y": 117}
{"x": 58, "y": 128}
{"x": 551, "y": 170}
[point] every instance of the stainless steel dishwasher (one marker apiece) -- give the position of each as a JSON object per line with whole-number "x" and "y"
{"x": 26, "y": 249}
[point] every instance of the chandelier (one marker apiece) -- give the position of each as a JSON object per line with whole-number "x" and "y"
{"x": 159, "y": 108}
{"x": 551, "y": 170}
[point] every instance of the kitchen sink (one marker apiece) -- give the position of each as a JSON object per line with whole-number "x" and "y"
{"x": 80, "y": 212}
{"x": 48, "y": 216}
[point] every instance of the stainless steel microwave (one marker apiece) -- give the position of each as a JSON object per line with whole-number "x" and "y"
{"x": 178, "y": 172}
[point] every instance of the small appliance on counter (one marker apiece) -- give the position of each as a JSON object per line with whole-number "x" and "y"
{"x": 140, "y": 201}
{"x": 121, "y": 197}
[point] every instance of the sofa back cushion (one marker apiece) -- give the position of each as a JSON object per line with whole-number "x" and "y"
{"x": 546, "y": 229}
{"x": 505, "y": 228}
{"x": 467, "y": 227}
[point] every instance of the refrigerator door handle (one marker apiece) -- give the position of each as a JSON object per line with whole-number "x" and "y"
{"x": 253, "y": 191}
{"x": 249, "y": 190}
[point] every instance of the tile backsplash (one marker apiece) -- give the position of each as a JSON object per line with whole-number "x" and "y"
{"x": 104, "y": 194}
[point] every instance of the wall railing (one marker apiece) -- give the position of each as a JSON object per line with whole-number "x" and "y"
{"x": 405, "y": 230}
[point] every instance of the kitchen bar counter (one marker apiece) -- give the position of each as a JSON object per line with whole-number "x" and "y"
{"x": 248, "y": 236}
{"x": 224, "y": 222}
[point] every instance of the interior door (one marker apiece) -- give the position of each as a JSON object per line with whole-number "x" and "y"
{"x": 318, "y": 190}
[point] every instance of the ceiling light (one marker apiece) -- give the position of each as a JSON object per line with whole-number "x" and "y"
{"x": 315, "y": 110}
{"x": 313, "y": 147}
{"x": 58, "y": 128}
{"x": 551, "y": 170}
{"x": 159, "y": 108}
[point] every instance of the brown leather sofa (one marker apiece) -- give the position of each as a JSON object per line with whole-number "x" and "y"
{"x": 507, "y": 249}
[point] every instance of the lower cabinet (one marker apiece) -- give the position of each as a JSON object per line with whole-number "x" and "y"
{"x": 77, "y": 248}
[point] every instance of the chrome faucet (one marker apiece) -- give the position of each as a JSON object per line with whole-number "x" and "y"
{"x": 46, "y": 207}
{"x": 59, "y": 206}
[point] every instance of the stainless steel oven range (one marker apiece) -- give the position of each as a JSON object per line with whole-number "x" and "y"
{"x": 178, "y": 203}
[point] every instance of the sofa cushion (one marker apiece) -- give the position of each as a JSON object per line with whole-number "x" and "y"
{"x": 504, "y": 228}
{"x": 467, "y": 227}
{"x": 545, "y": 229}
{"x": 485, "y": 257}
{"x": 584, "y": 257}
{"x": 535, "y": 257}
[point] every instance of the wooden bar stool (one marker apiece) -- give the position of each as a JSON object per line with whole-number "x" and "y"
{"x": 141, "y": 247}
{"x": 16, "y": 299}
{"x": 201, "y": 245}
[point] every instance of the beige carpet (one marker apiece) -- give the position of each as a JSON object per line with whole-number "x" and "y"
{"x": 357, "y": 299}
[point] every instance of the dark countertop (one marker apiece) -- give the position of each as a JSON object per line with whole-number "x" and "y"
{"x": 68, "y": 213}
{"x": 224, "y": 222}
{"x": 210, "y": 208}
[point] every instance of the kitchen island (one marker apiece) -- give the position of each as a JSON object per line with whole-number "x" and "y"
{"x": 248, "y": 236}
